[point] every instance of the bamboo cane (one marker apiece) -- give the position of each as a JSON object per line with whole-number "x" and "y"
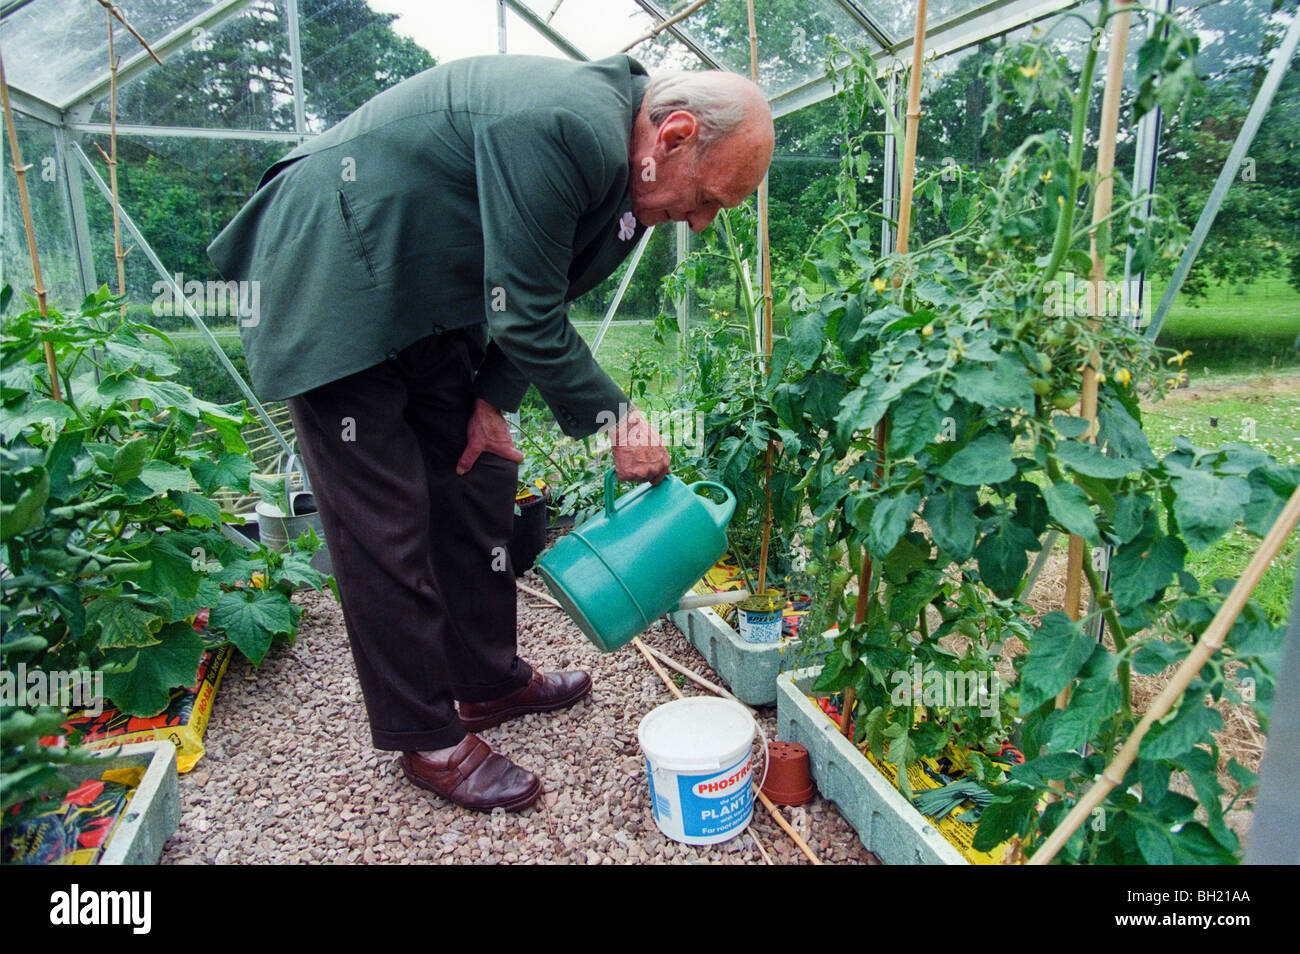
{"x": 113, "y": 11}
{"x": 765, "y": 251}
{"x": 767, "y": 802}
{"x": 656, "y": 30}
{"x": 906, "y": 186}
{"x": 694, "y": 676}
{"x": 38, "y": 285}
{"x": 1102, "y": 200}
{"x": 1210, "y": 642}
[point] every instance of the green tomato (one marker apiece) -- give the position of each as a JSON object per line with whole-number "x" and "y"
{"x": 1042, "y": 387}
{"x": 1065, "y": 400}
{"x": 1044, "y": 363}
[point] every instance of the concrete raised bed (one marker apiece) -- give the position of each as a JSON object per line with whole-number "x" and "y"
{"x": 154, "y": 810}
{"x": 888, "y": 824}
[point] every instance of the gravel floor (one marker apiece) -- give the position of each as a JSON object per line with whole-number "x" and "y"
{"x": 290, "y": 775}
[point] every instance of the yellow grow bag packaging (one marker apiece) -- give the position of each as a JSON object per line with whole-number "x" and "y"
{"x": 75, "y": 831}
{"x": 182, "y": 723}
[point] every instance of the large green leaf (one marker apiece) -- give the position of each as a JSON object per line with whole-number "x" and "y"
{"x": 171, "y": 569}
{"x": 173, "y": 663}
{"x": 230, "y": 470}
{"x": 1086, "y": 459}
{"x": 1142, "y": 568}
{"x": 1056, "y": 654}
{"x": 1206, "y": 506}
{"x": 28, "y": 511}
{"x": 1182, "y": 730}
{"x": 250, "y": 617}
{"x": 914, "y": 422}
{"x": 807, "y": 338}
{"x": 890, "y": 520}
{"x": 128, "y": 461}
{"x": 1269, "y": 491}
{"x": 127, "y": 620}
{"x": 985, "y": 460}
{"x": 1005, "y": 385}
{"x": 950, "y": 515}
{"x": 1001, "y": 557}
{"x": 1070, "y": 507}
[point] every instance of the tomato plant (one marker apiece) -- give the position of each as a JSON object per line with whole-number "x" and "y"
{"x": 963, "y": 349}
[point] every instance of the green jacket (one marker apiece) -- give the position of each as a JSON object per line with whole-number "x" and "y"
{"x": 485, "y": 193}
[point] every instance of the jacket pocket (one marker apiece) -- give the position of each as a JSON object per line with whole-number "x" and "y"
{"x": 353, "y": 230}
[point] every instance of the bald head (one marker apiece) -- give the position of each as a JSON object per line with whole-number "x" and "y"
{"x": 686, "y": 118}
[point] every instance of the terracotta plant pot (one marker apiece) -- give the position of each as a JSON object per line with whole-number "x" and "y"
{"x": 789, "y": 781}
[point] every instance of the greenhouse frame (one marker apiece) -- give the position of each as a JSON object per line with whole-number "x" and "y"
{"x": 206, "y": 94}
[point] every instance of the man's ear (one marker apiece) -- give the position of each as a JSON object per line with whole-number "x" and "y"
{"x": 679, "y": 130}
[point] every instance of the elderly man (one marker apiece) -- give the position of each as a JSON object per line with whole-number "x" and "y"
{"x": 415, "y": 264}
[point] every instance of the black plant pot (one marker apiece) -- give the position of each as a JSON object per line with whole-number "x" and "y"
{"x": 528, "y": 538}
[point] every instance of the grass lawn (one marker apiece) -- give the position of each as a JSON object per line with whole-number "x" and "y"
{"x": 1237, "y": 329}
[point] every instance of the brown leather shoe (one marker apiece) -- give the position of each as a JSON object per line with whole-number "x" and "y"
{"x": 474, "y": 776}
{"x": 545, "y": 692}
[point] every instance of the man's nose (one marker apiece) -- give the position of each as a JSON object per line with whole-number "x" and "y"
{"x": 699, "y": 221}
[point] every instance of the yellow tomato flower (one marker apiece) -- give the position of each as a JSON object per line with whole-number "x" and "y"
{"x": 928, "y": 329}
{"x": 878, "y": 284}
{"x": 1101, "y": 379}
{"x": 1046, "y": 176}
{"x": 1123, "y": 376}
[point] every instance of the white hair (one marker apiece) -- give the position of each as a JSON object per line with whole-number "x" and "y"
{"x": 714, "y": 104}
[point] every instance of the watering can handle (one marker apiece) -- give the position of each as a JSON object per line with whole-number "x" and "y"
{"x": 721, "y": 511}
{"x": 611, "y": 482}
{"x": 290, "y": 466}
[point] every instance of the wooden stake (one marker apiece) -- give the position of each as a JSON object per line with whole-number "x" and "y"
{"x": 113, "y": 11}
{"x": 20, "y": 174}
{"x": 909, "y": 142}
{"x": 767, "y": 802}
{"x": 1102, "y": 200}
{"x": 765, "y": 252}
{"x": 539, "y": 594}
{"x": 693, "y": 676}
{"x": 655, "y": 31}
{"x": 1210, "y": 642}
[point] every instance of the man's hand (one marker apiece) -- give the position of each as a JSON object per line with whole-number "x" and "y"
{"x": 488, "y": 431}
{"x": 639, "y": 452}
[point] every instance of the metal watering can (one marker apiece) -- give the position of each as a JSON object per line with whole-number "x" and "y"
{"x": 626, "y": 567}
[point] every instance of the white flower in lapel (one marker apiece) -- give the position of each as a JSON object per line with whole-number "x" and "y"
{"x": 627, "y": 226}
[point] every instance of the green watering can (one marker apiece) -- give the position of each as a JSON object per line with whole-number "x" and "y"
{"x": 626, "y": 567}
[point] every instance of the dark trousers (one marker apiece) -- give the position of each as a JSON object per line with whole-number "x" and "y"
{"x": 419, "y": 553}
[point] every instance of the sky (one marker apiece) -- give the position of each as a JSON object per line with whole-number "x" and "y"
{"x": 450, "y": 29}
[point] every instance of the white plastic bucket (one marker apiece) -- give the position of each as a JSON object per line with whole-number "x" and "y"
{"x": 760, "y": 626}
{"x": 698, "y": 762}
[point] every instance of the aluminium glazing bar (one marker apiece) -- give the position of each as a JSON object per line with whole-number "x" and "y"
{"x": 143, "y": 244}
{"x": 545, "y": 29}
{"x": 633, "y": 262}
{"x": 140, "y": 61}
{"x": 1281, "y": 63}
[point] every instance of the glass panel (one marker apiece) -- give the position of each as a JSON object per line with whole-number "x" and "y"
{"x": 1239, "y": 309}
{"x": 351, "y": 53}
{"x": 180, "y": 193}
{"x": 792, "y": 46}
{"x": 51, "y": 219}
{"x": 801, "y": 182}
{"x": 54, "y": 48}
{"x": 236, "y": 77}
{"x": 897, "y": 18}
